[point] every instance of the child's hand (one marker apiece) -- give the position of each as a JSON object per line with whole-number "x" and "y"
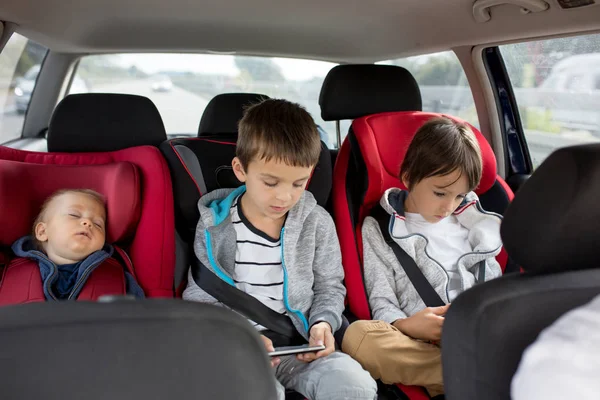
{"x": 269, "y": 347}
{"x": 320, "y": 334}
{"x": 426, "y": 324}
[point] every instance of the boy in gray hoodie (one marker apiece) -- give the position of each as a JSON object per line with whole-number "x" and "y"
{"x": 270, "y": 239}
{"x": 440, "y": 224}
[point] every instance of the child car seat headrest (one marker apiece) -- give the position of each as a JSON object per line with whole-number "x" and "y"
{"x": 24, "y": 187}
{"x": 224, "y": 111}
{"x": 385, "y": 138}
{"x": 553, "y": 224}
{"x": 99, "y": 122}
{"x": 354, "y": 91}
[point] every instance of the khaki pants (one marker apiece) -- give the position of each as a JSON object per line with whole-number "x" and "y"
{"x": 393, "y": 357}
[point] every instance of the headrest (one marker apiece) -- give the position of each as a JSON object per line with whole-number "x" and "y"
{"x": 384, "y": 140}
{"x": 354, "y": 91}
{"x": 553, "y": 224}
{"x": 24, "y": 187}
{"x": 224, "y": 111}
{"x": 98, "y": 122}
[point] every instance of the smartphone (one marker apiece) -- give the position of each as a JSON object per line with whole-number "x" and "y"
{"x": 284, "y": 351}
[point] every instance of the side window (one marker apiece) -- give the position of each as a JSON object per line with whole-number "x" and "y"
{"x": 556, "y": 86}
{"x": 20, "y": 62}
{"x": 443, "y": 84}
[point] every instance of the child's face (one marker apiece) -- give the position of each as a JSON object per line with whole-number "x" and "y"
{"x": 436, "y": 197}
{"x": 73, "y": 228}
{"x": 272, "y": 188}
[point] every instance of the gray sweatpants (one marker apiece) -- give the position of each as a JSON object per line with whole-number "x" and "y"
{"x": 335, "y": 377}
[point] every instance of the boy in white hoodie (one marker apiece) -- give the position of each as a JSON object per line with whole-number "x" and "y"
{"x": 440, "y": 224}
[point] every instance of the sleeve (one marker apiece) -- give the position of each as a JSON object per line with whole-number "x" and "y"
{"x": 378, "y": 260}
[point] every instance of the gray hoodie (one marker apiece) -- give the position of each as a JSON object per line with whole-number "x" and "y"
{"x": 391, "y": 293}
{"x": 312, "y": 264}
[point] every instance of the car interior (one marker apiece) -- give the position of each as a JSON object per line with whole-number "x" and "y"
{"x": 140, "y": 101}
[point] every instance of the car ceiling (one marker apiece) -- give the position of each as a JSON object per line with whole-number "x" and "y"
{"x": 333, "y": 30}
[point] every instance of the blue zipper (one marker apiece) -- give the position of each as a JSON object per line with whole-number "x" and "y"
{"x": 285, "y": 288}
{"x": 212, "y": 261}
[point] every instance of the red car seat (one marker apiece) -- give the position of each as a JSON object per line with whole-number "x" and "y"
{"x": 385, "y": 104}
{"x": 89, "y": 138}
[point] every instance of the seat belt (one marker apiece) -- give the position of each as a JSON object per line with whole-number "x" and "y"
{"x": 243, "y": 303}
{"x": 427, "y": 293}
{"x": 414, "y": 273}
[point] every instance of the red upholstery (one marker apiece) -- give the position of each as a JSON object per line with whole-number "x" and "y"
{"x": 25, "y": 186}
{"x": 150, "y": 243}
{"x": 22, "y": 282}
{"x": 382, "y": 141}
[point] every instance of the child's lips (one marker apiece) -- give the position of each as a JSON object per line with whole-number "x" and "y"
{"x": 86, "y": 234}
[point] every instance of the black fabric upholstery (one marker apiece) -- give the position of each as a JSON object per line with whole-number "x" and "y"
{"x": 495, "y": 199}
{"x": 129, "y": 350}
{"x": 552, "y": 224}
{"x": 224, "y": 111}
{"x": 97, "y": 122}
{"x": 212, "y": 156}
{"x": 354, "y": 91}
{"x": 488, "y": 327}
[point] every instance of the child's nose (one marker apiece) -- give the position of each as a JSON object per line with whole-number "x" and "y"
{"x": 284, "y": 196}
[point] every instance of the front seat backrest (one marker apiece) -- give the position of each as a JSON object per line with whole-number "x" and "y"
{"x": 131, "y": 350}
{"x": 552, "y": 233}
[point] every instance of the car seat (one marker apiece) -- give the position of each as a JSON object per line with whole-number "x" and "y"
{"x": 551, "y": 230}
{"x": 384, "y": 103}
{"x": 90, "y": 136}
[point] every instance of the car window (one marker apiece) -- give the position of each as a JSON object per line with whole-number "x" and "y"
{"x": 20, "y": 62}
{"x": 553, "y": 82}
{"x": 443, "y": 84}
{"x": 182, "y": 84}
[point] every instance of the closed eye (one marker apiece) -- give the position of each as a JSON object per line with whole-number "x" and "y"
{"x": 439, "y": 194}
{"x": 270, "y": 184}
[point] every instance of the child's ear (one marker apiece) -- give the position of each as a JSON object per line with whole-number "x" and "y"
{"x": 238, "y": 169}
{"x": 40, "y": 232}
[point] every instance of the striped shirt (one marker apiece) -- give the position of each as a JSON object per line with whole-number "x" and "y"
{"x": 258, "y": 270}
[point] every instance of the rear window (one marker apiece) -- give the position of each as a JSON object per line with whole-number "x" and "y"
{"x": 182, "y": 84}
{"x": 443, "y": 84}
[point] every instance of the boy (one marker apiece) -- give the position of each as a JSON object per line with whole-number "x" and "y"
{"x": 440, "y": 224}
{"x": 68, "y": 243}
{"x": 286, "y": 253}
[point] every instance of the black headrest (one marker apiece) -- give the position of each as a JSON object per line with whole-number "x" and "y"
{"x": 553, "y": 224}
{"x": 354, "y": 91}
{"x": 97, "y": 122}
{"x": 224, "y": 111}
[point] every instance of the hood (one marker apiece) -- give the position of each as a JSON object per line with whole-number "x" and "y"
{"x": 214, "y": 207}
{"x": 25, "y": 247}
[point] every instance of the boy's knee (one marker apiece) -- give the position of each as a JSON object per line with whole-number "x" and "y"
{"x": 347, "y": 380}
{"x": 358, "y": 333}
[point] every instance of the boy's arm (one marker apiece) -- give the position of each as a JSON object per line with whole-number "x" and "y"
{"x": 329, "y": 290}
{"x": 378, "y": 259}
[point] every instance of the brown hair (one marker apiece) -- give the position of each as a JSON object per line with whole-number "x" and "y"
{"x": 440, "y": 147}
{"x": 42, "y": 215}
{"x": 280, "y": 130}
